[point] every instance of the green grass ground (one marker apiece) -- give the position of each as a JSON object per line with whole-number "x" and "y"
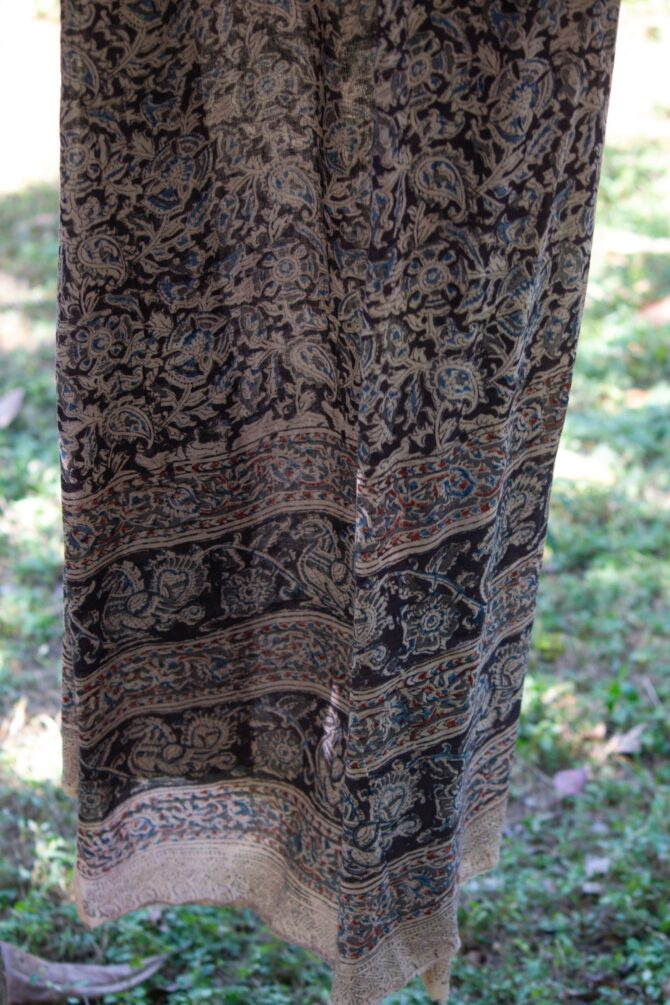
{"x": 578, "y": 910}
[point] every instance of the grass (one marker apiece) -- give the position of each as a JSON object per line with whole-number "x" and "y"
{"x": 577, "y": 911}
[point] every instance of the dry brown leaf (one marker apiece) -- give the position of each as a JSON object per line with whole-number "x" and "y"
{"x": 626, "y": 743}
{"x": 597, "y": 732}
{"x": 592, "y": 887}
{"x": 597, "y": 865}
{"x": 657, "y": 313}
{"x": 571, "y": 781}
{"x": 10, "y": 406}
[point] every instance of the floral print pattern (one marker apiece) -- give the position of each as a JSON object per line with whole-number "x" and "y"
{"x": 322, "y": 267}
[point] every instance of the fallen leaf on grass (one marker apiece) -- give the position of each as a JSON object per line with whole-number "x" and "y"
{"x": 626, "y": 743}
{"x": 571, "y": 781}
{"x": 592, "y": 888}
{"x": 597, "y": 865}
{"x": 657, "y": 312}
{"x": 10, "y": 406}
{"x": 29, "y": 978}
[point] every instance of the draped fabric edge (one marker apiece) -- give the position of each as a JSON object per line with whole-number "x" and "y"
{"x": 249, "y": 874}
{"x": 252, "y": 873}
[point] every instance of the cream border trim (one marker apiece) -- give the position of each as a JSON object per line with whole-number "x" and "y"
{"x": 236, "y": 873}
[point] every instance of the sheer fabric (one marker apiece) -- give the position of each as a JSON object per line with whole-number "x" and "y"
{"x": 322, "y": 270}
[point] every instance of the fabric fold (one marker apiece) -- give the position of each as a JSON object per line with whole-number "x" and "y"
{"x": 322, "y": 268}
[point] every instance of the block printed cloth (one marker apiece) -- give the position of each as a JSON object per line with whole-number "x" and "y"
{"x": 322, "y": 268}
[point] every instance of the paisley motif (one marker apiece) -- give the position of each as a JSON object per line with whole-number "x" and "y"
{"x": 520, "y": 94}
{"x": 437, "y": 179}
{"x": 102, "y": 257}
{"x": 321, "y": 278}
